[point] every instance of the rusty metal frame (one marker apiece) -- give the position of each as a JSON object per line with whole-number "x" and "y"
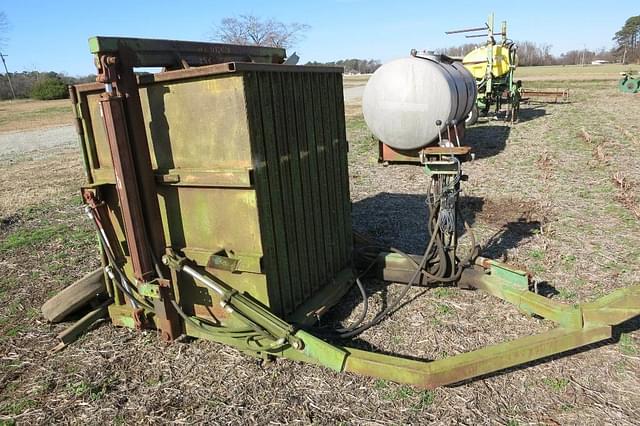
{"x": 544, "y": 95}
{"x": 174, "y": 54}
{"x": 135, "y": 182}
{"x": 388, "y": 155}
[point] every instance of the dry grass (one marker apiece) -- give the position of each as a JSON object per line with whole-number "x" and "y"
{"x": 566, "y": 73}
{"x": 355, "y": 80}
{"x": 574, "y": 72}
{"x": 537, "y": 195}
{"x": 34, "y": 179}
{"x": 29, "y": 114}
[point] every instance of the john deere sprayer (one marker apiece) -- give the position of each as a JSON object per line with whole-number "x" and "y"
{"x": 493, "y": 66}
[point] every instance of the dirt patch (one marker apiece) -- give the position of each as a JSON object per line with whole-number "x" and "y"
{"x": 501, "y": 211}
{"x": 8, "y": 222}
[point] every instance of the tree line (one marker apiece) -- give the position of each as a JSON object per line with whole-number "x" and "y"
{"x": 534, "y": 54}
{"x": 625, "y": 51}
{"x": 628, "y": 40}
{"x": 249, "y": 29}
{"x": 352, "y": 66}
{"x": 24, "y": 83}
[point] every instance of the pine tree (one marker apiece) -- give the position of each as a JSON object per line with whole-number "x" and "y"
{"x": 628, "y": 39}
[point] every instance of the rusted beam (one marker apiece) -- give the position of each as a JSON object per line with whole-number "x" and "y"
{"x": 127, "y": 185}
{"x": 175, "y": 53}
{"x": 135, "y": 181}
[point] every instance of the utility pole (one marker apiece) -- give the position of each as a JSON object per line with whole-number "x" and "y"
{"x": 13, "y": 93}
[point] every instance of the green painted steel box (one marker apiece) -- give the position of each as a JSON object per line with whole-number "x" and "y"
{"x": 250, "y": 162}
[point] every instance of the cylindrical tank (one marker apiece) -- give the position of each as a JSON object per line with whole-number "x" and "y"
{"x": 405, "y": 98}
{"x": 503, "y": 57}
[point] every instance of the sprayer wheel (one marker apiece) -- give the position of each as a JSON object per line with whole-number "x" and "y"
{"x": 472, "y": 118}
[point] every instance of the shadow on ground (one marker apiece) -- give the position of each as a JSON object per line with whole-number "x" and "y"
{"x": 531, "y": 112}
{"x": 487, "y": 140}
{"x": 400, "y": 220}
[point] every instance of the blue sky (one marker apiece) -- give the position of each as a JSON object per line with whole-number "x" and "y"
{"x": 52, "y": 35}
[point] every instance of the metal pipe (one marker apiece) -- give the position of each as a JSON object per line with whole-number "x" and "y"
{"x": 467, "y": 30}
{"x": 204, "y": 280}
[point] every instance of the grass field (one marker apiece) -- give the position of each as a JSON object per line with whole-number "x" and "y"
{"x": 574, "y": 72}
{"x": 28, "y": 114}
{"x": 566, "y": 73}
{"x": 556, "y": 192}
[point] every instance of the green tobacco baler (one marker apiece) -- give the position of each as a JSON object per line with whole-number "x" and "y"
{"x": 220, "y": 191}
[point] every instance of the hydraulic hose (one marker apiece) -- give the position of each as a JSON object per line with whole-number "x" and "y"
{"x": 438, "y": 254}
{"x": 122, "y": 283}
{"x": 393, "y": 306}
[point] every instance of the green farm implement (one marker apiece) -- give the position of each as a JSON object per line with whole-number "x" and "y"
{"x": 629, "y": 83}
{"x": 219, "y": 189}
{"x": 493, "y": 66}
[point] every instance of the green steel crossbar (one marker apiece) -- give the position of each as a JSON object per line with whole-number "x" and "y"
{"x": 472, "y": 364}
{"x": 579, "y": 325}
{"x": 176, "y": 53}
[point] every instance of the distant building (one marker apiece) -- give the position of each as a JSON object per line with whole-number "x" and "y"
{"x": 600, "y": 62}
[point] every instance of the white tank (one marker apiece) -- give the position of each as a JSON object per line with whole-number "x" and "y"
{"x": 405, "y": 98}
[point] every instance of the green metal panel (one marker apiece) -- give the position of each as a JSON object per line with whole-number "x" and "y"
{"x": 251, "y": 179}
{"x": 296, "y": 103}
{"x": 316, "y": 176}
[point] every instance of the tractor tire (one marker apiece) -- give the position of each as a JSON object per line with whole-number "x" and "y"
{"x": 472, "y": 118}
{"x": 72, "y": 298}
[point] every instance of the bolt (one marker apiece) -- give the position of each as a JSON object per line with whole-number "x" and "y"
{"x": 165, "y": 260}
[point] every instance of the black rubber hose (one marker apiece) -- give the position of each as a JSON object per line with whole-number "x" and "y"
{"x": 393, "y": 306}
{"x": 113, "y": 264}
{"x": 363, "y": 314}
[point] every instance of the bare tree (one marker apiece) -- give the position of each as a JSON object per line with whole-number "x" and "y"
{"x": 252, "y": 30}
{"x": 461, "y": 50}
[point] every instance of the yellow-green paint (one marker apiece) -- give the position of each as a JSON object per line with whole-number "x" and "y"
{"x": 476, "y": 61}
{"x": 231, "y": 153}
